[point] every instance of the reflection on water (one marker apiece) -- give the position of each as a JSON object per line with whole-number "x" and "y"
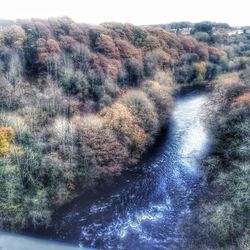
{"x": 145, "y": 211}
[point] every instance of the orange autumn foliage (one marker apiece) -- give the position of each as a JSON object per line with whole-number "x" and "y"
{"x": 166, "y": 39}
{"x": 242, "y": 101}
{"x": 201, "y": 68}
{"x": 161, "y": 96}
{"x": 216, "y": 52}
{"x": 47, "y": 48}
{"x": 127, "y": 50}
{"x": 6, "y": 135}
{"x": 106, "y": 45}
{"x": 189, "y": 43}
{"x": 109, "y": 66}
{"x": 68, "y": 43}
{"x": 100, "y": 143}
{"x": 129, "y": 133}
{"x": 202, "y": 51}
{"x": 151, "y": 43}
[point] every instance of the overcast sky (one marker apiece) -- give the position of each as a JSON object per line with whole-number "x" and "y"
{"x": 132, "y": 11}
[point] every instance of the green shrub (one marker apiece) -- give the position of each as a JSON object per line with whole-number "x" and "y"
{"x": 247, "y": 53}
{"x": 140, "y": 36}
{"x": 134, "y": 71}
{"x": 37, "y": 209}
{"x": 11, "y": 210}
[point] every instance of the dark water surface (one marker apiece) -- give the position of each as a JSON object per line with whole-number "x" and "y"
{"x": 144, "y": 210}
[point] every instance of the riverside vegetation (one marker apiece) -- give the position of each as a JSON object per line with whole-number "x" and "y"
{"x": 80, "y": 103}
{"x": 222, "y": 217}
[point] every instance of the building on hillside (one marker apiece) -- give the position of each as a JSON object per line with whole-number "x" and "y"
{"x": 235, "y": 32}
{"x": 247, "y": 31}
{"x": 182, "y": 31}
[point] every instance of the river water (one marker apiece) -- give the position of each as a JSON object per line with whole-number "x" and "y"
{"x": 145, "y": 209}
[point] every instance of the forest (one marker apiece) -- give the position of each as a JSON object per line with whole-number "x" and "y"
{"x": 81, "y": 104}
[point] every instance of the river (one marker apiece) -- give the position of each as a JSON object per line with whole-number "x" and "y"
{"x": 144, "y": 211}
{"x": 144, "y": 208}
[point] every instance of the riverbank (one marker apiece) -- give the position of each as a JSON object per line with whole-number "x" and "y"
{"x": 221, "y": 218}
{"x": 147, "y": 205}
{"x": 94, "y": 148}
{"x": 104, "y": 187}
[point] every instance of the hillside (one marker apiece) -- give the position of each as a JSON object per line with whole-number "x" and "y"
{"x": 80, "y": 103}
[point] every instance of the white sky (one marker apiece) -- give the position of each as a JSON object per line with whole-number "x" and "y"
{"x": 234, "y": 12}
